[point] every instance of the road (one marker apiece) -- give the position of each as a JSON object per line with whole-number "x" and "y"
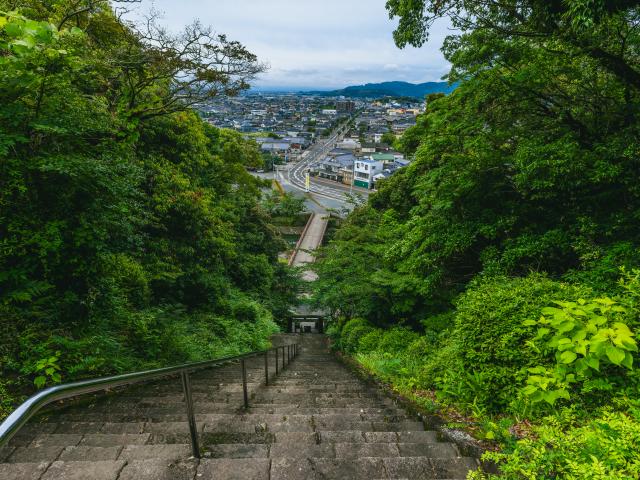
{"x": 313, "y": 201}
{"x": 295, "y": 175}
{"x": 323, "y": 195}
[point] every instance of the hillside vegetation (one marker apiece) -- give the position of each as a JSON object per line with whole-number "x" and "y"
{"x": 130, "y": 233}
{"x": 391, "y": 89}
{"x": 497, "y": 274}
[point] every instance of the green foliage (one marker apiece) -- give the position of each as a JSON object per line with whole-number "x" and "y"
{"x": 489, "y": 334}
{"x": 132, "y": 234}
{"x": 286, "y": 205}
{"x": 389, "y": 138}
{"x": 396, "y": 340}
{"x": 588, "y": 340}
{"x": 370, "y": 342}
{"x": 47, "y": 370}
{"x": 605, "y": 448}
{"x": 352, "y": 332}
{"x": 523, "y": 192}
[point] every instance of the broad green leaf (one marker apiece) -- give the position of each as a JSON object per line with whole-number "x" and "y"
{"x": 3, "y": 21}
{"x": 628, "y": 361}
{"x": 542, "y": 332}
{"x": 13, "y": 29}
{"x": 27, "y": 41}
{"x": 579, "y": 335}
{"x": 568, "y": 357}
{"x": 39, "y": 381}
{"x": 593, "y": 362}
{"x": 615, "y": 355}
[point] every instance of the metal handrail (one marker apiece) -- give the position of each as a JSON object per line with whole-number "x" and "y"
{"x": 21, "y": 415}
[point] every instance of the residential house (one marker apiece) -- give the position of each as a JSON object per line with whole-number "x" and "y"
{"x": 368, "y": 148}
{"x": 347, "y": 175}
{"x": 334, "y": 168}
{"x": 349, "y": 144}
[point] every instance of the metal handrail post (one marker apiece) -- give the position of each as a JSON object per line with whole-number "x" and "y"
{"x": 188, "y": 399}
{"x": 244, "y": 384}
{"x": 266, "y": 369}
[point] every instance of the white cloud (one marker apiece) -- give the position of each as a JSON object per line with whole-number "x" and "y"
{"x": 329, "y": 44}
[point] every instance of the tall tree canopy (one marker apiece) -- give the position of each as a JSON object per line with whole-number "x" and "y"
{"x": 531, "y": 164}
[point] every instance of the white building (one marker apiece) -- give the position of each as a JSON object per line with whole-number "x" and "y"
{"x": 364, "y": 170}
{"x": 329, "y": 111}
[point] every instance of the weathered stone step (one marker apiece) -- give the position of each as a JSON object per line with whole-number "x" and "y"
{"x": 61, "y": 470}
{"x": 328, "y": 410}
{"x": 357, "y": 436}
{"x": 122, "y": 413}
{"x": 367, "y": 468}
{"x": 330, "y": 450}
{"x": 314, "y": 420}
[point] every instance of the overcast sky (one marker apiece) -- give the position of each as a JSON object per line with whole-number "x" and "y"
{"x": 314, "y": 44}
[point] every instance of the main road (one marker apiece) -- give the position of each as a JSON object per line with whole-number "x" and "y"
{"x": 295, "y": 175}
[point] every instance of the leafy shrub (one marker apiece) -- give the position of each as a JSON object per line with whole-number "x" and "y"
{"x": 371, "y": 341}
{"x": 348, "y": 340}
{"x": 489, "y": 335}
{"x": 6, "y": 400}
{"x": 605, "y": 448}
{"x": 591, "y": 345}
{"x": 351, "y": 341}
{"x": 396, "y": 340}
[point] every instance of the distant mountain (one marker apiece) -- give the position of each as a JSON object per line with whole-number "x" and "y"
{"x": 390, "y": 89}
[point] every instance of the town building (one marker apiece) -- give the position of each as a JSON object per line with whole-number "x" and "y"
{"x": 364, "y": 171}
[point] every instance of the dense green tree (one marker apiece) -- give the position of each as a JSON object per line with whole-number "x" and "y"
{"x": 127, "y": 224}
{"x": 531, "y": 164}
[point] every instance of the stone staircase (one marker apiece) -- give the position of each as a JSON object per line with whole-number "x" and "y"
{"x": 315, "y": 420}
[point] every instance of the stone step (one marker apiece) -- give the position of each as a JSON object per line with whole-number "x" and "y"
{"x": 155, "y": 413}
{"x": 367, "y": 468}
{"x": 314, "y": 420}
{"x": 63, "y": 470}
{"x": 329, "y": 450}
{"x": 356, "y": 436}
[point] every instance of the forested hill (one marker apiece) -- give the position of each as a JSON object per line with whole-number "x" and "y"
{"x": 131, "y": 234}
{"x": 391, "y": 89}
{"x": 499, "y": 274}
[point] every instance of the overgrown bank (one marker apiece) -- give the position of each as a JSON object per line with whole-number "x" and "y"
{"x": 534, "y": 366}
{"x": 131, "y": 234}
